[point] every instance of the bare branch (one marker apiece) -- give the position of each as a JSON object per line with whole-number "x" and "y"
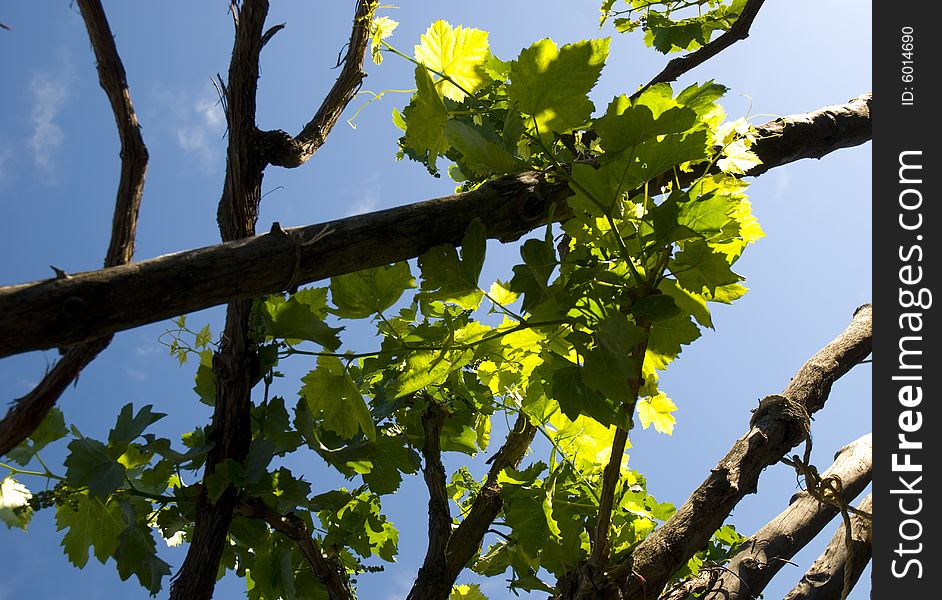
{"x": 328, "y": 572}
{"x": 281, "y": 149}
{"x": 769, "y": 438}
{"x": 813, "y": 134}
{"x": 841, "y": 565}
{"x": 739, "y": 31}
{"x": 56, "y": 312}
{"x": 233, "y": 363}
{"x": 29, "y": 411}
{"x": 432, "y": 578}
{"x": 757, "y": 562}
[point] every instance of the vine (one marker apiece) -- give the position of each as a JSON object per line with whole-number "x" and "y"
{"x": 570, "y": 344}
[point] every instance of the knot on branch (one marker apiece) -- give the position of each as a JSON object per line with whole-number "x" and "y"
{"x": 279, "y": 148}
{"x": 777, "y": 410}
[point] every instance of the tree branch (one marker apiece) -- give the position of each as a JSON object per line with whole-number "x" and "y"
{"x": 295, "y": 529}
{"x": 466, "y": 539}
{"x": 30, "y": 410}
{"x": 678, "y": 66}
{"x": 826, "y": 577}
{"x": 771, "y": 435}
{"x": 234, "y": 362}
{"x": 54, "y": 312}
{"x": 814, "y": 134}
{"x": 432, "y": 578}
{"x": 757, "y": 562}
{"x": 281, "y": 149}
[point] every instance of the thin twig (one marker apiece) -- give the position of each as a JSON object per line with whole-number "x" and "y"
{"x": 678, "y": 66}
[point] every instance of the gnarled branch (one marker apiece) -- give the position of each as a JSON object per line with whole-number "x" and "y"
{"x": 281, "y": 149}
{"x": 769, "y": 438}
{"x": 752, "y": 568}
{"x": 839, "y": 563}
{"x": 432, "y": 580}
{"x": 30, "y": 410}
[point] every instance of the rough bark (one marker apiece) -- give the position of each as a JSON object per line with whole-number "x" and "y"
{"x": 230, "y": 432}
{"x": 772, "y": 434}
{"x": 235, "y": 363}
{"x": 56, "y": 312}
{"x": 766, "y": 552}
{"x": 465, "y": 540}
{"x": 432, "y": 580}
{"x": 826, "y": 577}
{"x": 30, "y": 410}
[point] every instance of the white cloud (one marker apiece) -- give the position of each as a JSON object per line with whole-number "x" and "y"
{"x": 368, "y": 197}
{"x": 202, "y": 135}
{"x": 49, "y": 95}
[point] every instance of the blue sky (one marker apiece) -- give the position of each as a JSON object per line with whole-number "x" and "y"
{"x": 58, "y": 173}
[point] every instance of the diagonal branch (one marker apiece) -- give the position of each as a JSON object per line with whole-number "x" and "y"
{"x": 281, "y": 149}
{"x": 771, "y": 435}
{"x": 295, "y": 529}
{"x": 767, "y": 551}
{"x": 54, "y": 312}
{"x": 840, "y": 565}
{"x": 29, "y": 411}
{"x": 432, "y": 576}
{"x": 466, "y": 539}
{"x": 738, "y": 32}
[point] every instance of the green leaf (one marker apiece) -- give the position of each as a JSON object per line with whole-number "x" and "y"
{"x": 429, "y": 367}
{"x": 482, "y": 155}
{"x": 467, "y": 592}
{"x": 691, "y": 303}
{"x": 473, "y": 249}
{"x": 699, "y": 268}
{"x": 129, "y": 426}
{"x": 707, "y": 215}
{"x": 447, "y": 278}
{"x": 271, "y": 421}
{"x": 91, "y": 523}
{"x": 666, "y": 339}
{"x": 425, "y": 119}
{"x": 380, "y": 29}
{"x": 702, "y": 98}
{"x": 88, "y": 464}
{"x": 655, "y": 112}
{"x": 331, "y": 393}
{"x": 594, "y": 189}
{"x": 656, "y": 156}
{"x": 136, "y": 554}
{"x": 575, "y": 398}
{"x": 14, "y": 503}
{"x": 608, "y": 366}
{"x": 205, "y": 386}
{"x": 551, "y": 85}
{"x": 299, "y": 318}
{"x": 532, "y": 278}
{"x": 657, "y": 411}
{"x": 365, "y": 293}
{"x": 50, "y": 430}
{"x": 457, "y": 53}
